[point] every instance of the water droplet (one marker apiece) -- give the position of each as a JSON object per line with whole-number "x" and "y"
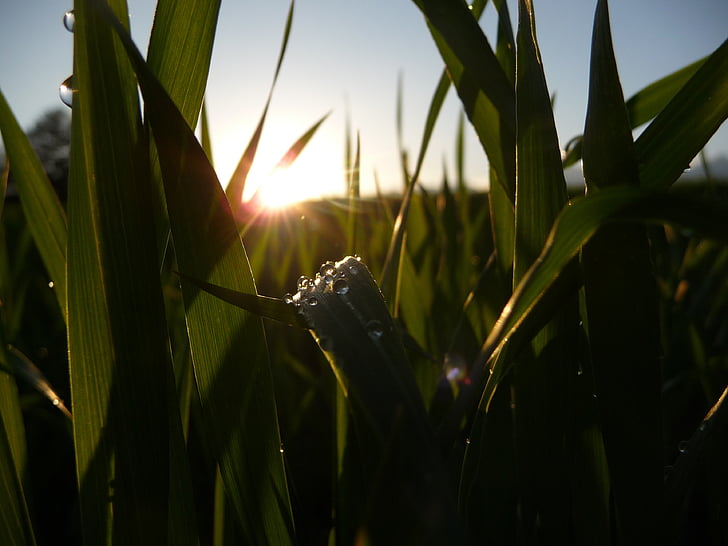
{"x": 56, "y": 402}
{"x": 304, "y": 284}
{"x": 579, "y": 368}
{"x": 65, "y": 91}
{"x": 702, "y": 426}
{"x": 341, "y": 287}
{"x": 682, "y": 447}
{"x": 69, "y": 20}
{"x": 51, "y": 284}
{"x": 281, "y": 448}
{"x": 327, "y": 269}
{"x": 467, "y": 441}
{"x": 375, "y": 329}
{"x": 288, "y": 299}
{"x": 328, "y": 279}
{"x": 354, "y": 269}
{"x": 312, "y": 301}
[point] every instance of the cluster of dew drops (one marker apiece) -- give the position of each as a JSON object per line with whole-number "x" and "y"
{"x": 65, "y": 90}
{"x": 331, "y": 276}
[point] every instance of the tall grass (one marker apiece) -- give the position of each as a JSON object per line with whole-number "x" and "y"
{"x": 529, "y": 366}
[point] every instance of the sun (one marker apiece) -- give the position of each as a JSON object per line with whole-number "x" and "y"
{"x": 316, "y": 173}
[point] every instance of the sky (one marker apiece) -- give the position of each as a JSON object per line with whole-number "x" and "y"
{"x": 346, "y": 57}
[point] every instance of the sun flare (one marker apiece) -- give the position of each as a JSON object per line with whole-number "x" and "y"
{"x": 316, "y": 173}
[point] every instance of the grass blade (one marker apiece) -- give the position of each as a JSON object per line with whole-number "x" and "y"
{"x": 622, "y": 310}
{"x": 407, "y": 498}
{"x": 482, "y": 85}
{"x": 666, "y": 147}
{"x": 117, "y": 337}
{"x": 238, "y": 404}
{"x": 43, "y": 210}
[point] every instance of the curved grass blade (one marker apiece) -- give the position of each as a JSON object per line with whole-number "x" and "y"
{"x": 666, "y": 147}
{"x": 482, "y": 85}
{"x": 117, "y": 335}
{"x": 407, "y": 495}
{"x": 24, "y": 368}
{"x": 43, "y": 210}
{"x": 227, "y": 344}
{"x": 236, "y": 185}
{"x": 622, "y": 313}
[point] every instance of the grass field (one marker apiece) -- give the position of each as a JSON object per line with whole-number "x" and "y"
{"x": 526, "y": 366}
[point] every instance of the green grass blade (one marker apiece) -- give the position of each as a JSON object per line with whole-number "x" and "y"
{"x": 622, "y": 310}
{"x": 236, "y": 185}
{"x": 540, "y": 292}
{"x": 15, "y": 526}
{"x": 645, "y": 104}
{"x": 205, "y": 140}
{"x": 541, "y": 416}
{"x": 227, "y": 344}
{"x": 649, "y": 101}
{"x": 44, "y": 212}
{"x": 482, "y": 85}
{"x": 666, "y": 147}
{"x": 180, "y": 48}
{"x": 15, "y": 523}
{"x": 117, "y": 336}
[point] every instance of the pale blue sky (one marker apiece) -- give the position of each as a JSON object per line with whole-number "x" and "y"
{"x": 346, "y": 56}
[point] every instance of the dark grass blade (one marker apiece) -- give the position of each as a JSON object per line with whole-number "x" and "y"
{"x": 227, "y": 344}
{"x": 645, "y": 104}
{"x": 236, "y": 186}
{"x": 622, "y": 310}
{"x": 117, "y": 336}
{"x": 15, "y": 523}
{"x": 699, "y": 479}
{"x": 666, "y": 147}
{"x": 41, "y": 206}
{"x": 263, "y": 306}
{"x": 482, "y": 85}
{"x": 407, "y": 498}
{"x": 295, "y": 150}
{"x": 541, "y": 291}
{"x": 540, "y": 389}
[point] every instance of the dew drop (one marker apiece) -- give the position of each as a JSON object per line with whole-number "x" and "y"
{"x": 65, "y": 91}
{"x": 702, "y": 426}
{"x": 579, "y": 369}
{"x": 341, "y": 287}
{"x": 354, "y": 269}
{"x": 682, "y": 447}
{"x": 51, "y": 284}
{"x": 288, "y": 299}
{"x": 467, "y": 441}
{"x": 281, "y": 448}
{"x": 56, "y": 402}
{"x": 312, "y": 301}
{"x": 329, "y": 268}
{"x": 375, "y": 329}
{"x": 304, "y": 284}
{"x": 69, "y": 20}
